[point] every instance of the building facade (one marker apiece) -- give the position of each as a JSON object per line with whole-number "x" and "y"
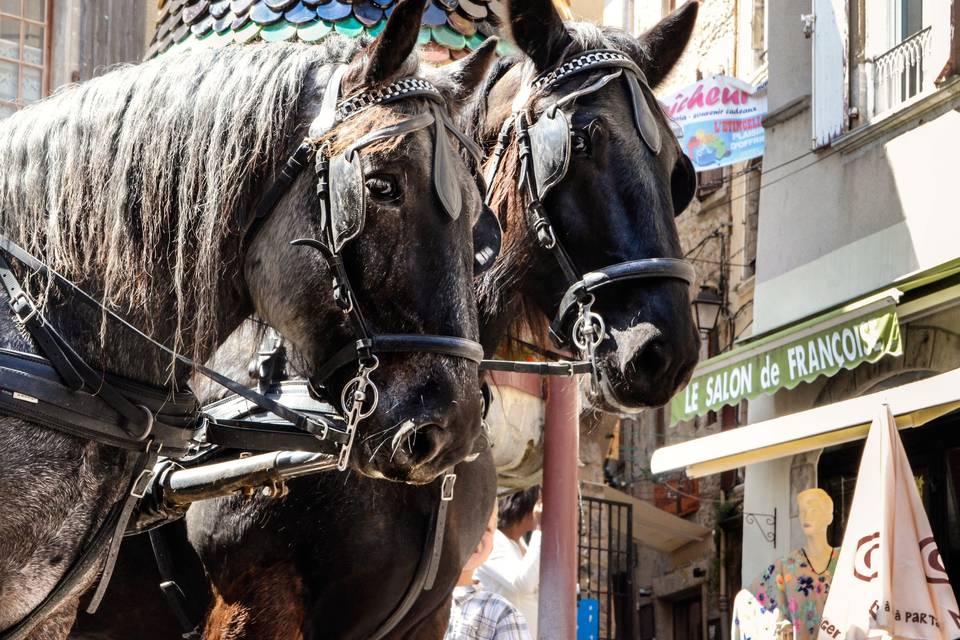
{"x": 856, "y": 245}
{"x": 46, "y": 44}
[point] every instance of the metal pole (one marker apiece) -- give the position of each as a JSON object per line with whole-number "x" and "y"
{"x": 558, "y": 553}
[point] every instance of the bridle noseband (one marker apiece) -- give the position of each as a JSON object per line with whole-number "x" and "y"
{"x": 544, "y": 143}
{"x": 340, "y": 188}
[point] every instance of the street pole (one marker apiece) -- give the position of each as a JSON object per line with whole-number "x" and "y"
{"x": 558, "y": 552}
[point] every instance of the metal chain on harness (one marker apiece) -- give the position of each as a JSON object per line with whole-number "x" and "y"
{"x": 353, "y": 399}
{"x": 587, "y": 334}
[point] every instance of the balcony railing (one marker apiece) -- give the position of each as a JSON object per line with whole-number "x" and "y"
{"x": 900, "y": 73}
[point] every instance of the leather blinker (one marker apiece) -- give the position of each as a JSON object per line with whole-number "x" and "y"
{"x": 643, "y": 115}
{"x": 445, "y": 160}
{"x": 550, "y": 144}
{"x": 347, "y": 202}
{"x": 487, "y": 240}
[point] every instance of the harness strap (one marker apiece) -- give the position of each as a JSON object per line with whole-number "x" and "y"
{"x": 401, "y": 343}
{"x": 257, "y": 435}
{"x": 429, "y": 562}
{"x": 142, "y": 474}
{"x": 172, "y": 593}
{"x": 648, "y": 268}
{"x": 561, "y": 368}
{"x": 32, "y": 321}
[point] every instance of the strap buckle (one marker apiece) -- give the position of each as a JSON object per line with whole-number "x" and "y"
{"x": 21, "y": 302}
{"x": 142, "y": 483}
{"x": 446, "y": 490}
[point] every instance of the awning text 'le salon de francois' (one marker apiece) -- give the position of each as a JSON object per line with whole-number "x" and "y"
{"x": 864, "y": 331}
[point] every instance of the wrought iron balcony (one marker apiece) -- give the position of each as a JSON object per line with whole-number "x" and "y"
{"x": 902, "y": 72}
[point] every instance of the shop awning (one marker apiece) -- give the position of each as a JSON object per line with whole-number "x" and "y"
{"x": 862, "y": 331}
{"x": 652, "y": 527}
{"x": 913, "y": 404}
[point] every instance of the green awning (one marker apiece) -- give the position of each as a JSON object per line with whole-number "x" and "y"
{"x": 863, "y": 331}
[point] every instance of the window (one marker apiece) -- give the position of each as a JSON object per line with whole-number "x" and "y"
{"x": 24, "y": 52}
{"x": 903, "y": 69}
{"x": 758, "y": 30}
{"x": 753, "y": 179}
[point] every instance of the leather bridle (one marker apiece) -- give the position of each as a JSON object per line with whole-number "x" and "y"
{"x": 340, "y": 190}
{"x": 544, "y": 153}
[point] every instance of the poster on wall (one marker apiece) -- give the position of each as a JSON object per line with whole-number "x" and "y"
{"x": 721, "y": 119}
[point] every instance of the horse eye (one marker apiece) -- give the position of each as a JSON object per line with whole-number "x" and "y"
{"x": 580, "y": 142}
{"x": 383, "y": 188}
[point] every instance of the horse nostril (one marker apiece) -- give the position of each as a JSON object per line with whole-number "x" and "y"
{"x": 651, "y": 359}
{"x": 424, "y": 443}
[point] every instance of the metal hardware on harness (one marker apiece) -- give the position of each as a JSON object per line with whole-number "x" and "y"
{"x": 352, "y": 401}
{"x": 588, "y": 332}
{"x": 446, "y": 489}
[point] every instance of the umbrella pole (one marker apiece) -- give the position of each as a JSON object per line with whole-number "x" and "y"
{"x": 558, "y": 553}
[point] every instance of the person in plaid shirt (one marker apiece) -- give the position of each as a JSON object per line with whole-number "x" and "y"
{"x": 483, "y": 615}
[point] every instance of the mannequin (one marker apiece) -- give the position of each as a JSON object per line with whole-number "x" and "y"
{"x": 816, "y": 514}
{"x": 794, "y": 589}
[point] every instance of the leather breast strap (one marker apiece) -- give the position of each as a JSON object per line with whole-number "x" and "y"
{"x": 430, "y": 555}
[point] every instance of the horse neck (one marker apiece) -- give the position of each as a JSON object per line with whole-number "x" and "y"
{"x": 108, "y": 346}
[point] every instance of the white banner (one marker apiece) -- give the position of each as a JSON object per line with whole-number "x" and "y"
{"x": 722, "y": 120}
{"x": 890, "y": 581}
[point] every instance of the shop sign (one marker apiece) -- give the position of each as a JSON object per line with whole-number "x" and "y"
{"x": 749, "y": 372}
{"x": 721, "y": 120}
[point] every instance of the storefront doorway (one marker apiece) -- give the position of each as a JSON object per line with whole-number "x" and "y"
{"x": 934, "y": 454}
{"x": 687, "y": 618}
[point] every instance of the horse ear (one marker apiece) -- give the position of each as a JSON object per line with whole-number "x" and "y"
{"x": 467, "y": 73}
{"x": 538, "y": 30}
{"x": 664, "y": 43}
{"x": 392, "y": 47}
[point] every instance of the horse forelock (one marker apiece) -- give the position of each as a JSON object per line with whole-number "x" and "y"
{"x": 140, "y": 182}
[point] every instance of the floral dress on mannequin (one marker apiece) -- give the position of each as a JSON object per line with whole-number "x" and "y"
{"x": 794, "y": 590}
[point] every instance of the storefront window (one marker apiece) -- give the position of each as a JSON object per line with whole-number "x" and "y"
{"x": 24, "y": 53}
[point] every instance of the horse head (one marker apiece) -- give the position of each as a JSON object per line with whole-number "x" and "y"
{"x": 588, "y": 187}
{"x": 402, "y": 202}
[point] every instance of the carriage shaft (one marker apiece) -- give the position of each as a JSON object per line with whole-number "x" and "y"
{"x": 268, "y": 470}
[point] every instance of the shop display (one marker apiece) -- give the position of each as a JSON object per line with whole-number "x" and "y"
{"x": 792, "y": 590}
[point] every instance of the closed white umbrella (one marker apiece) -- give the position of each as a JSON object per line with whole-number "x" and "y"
{"x": 890, "y": 581}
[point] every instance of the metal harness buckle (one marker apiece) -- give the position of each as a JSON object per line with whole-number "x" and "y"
{"x": 16, "y": 306}
{"x": 446, "y": 491}
{"x": 142, "y": 483}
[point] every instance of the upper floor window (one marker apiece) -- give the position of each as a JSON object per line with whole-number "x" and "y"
{"x": 899, "y": 47}
{"x": 872, "y": 58}
{"x": 24, "y": 53}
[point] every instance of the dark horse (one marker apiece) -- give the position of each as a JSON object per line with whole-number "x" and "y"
{"x": 321, "y": 562}
{"x": 141, "y": 186}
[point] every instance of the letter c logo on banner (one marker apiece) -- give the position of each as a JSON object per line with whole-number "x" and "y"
{"x": 933, "y": 562}
{"x": 862, "y": 562}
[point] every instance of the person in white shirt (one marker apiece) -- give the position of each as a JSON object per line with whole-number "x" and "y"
{"x": 476, "y": 614}
{"x": 513, "y": 569}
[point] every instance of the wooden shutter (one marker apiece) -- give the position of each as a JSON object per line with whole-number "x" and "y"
{"x": 830, "y": 96}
